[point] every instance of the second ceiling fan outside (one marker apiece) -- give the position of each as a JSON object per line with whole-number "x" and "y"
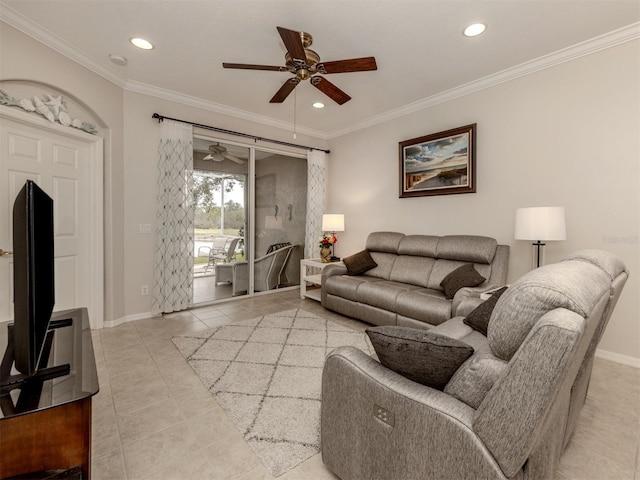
{"x": 305, "y": 64}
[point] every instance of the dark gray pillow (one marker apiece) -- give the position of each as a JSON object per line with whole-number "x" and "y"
{"x": 419, "y": 355}
{"x": 479, "y": 318}
{"x": 277, "y": 246}
{"x": 359, "y": 263}
{"x": 464, "y": 276}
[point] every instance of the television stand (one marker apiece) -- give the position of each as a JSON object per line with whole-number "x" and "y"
{"x": 10, "y": 382}
{"x": 45, "y": 424}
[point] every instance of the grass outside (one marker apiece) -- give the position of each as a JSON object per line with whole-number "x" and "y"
{"x": 212, "y": 232}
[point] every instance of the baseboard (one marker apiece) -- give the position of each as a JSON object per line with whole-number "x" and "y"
{"x": 618, "y": 358}
{"x": 129, "y": 318}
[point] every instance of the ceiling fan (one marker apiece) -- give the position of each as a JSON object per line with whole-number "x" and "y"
{"x": 218, "y": 153}
{"x": 305, "y": 64}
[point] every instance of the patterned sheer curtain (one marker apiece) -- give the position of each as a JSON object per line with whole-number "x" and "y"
{"x": 316, "y": 190}
{"x": 173, "y": 278}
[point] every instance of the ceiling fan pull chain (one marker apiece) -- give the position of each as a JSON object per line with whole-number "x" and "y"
{"x": 295, "y": 97}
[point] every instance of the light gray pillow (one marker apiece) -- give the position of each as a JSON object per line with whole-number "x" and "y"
{"x": 422, "y": 356}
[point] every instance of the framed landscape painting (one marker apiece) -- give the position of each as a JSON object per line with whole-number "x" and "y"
{"x": 442, "y": 163}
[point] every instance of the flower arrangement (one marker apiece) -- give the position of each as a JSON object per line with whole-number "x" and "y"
{"x": 327, "y": 240}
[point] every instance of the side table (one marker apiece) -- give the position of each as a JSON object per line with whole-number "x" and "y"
{"x": 313, "y": 279}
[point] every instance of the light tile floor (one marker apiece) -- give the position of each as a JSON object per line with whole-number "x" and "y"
{"x": 154, "y": 420}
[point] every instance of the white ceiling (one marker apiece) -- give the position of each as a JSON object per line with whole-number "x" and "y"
{"x": 421, "y": 53}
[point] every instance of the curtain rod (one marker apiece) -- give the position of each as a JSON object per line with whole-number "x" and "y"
{"x": 238, "y": 134}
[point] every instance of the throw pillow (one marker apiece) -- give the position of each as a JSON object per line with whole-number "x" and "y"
{"x": 359, "y": 263}
{"x": 419, "y": 355}
{"x": 464, "y": 276}
{"x": 277, "y": 246}
{"x": 479, "y": 318}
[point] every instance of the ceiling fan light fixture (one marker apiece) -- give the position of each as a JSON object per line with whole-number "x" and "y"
{"x": 141, "y": 43}
{"x": 474, "y": 29}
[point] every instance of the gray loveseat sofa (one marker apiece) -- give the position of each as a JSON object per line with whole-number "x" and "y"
{"x": 404, "y": 288}
{"x": 508, "y": 411}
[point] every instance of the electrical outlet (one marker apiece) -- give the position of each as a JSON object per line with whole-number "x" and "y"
{"x": 144, "y": 290}
{"x": 145, "y": 228}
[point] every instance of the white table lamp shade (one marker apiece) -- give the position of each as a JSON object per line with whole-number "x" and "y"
{"x": 540, "y": 223}
{"x": 333, "y": 222}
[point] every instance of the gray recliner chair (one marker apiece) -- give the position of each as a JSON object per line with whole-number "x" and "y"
{"x": 507, "y": 413}
{"x": 267, "y": 271}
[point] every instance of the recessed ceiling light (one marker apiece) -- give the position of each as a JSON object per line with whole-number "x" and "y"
{"x": 474, "y": 29}
{"x": 141, "y": 43}
{"x": 318, "y": 105}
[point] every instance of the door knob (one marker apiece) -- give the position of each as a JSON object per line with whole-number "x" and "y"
{"x": 4, "y": 252}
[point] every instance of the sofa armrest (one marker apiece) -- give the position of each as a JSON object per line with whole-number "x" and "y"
{"x": 420, "y": 422}
{"x": 332, "y": 270}
{"x": 327, "y": 272}
{"x": 468, "y": 298}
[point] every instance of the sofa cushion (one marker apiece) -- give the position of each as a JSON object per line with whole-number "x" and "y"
{"x": 478, "y": 319}
{"x": 387, "y": 242}
{"x": 421, "y": 356}
{"x": 382, "y": 294}
{"x": 359, "y": 263}
{"x": 424, "y": 304}
{"x": 464, "y": 276}
{"x": 419, "y": 245}
{"x": 473, "y": 380}
{"x": 346, "y": 286}
{"x": 467, "y": 248}
{"x": 576, "y": 285}
{"x": 411, "y": 269}
{"x": 385, "y": 263}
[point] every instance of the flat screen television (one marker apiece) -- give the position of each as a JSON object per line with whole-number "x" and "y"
{"x": 33, "y": 275}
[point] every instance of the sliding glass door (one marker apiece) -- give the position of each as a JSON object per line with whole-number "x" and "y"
{"x": 220, "y": 195}
{"x": 280, "y": 218}
{"x": 249, "y": 219}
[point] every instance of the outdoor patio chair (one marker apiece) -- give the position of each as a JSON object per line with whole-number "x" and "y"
{"x": 267, "y": 271}
{"x": 223, "y": 254}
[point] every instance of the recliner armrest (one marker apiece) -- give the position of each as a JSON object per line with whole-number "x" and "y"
{"x": 358, "y": 442}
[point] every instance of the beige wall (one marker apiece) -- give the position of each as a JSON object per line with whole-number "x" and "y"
{"x": 24, "y": 60}
{"x": 568, "y": 135}
{"x": 141, "y": 146}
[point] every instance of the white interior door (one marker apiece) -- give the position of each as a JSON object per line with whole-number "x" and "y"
{"x": 61, "y": 162}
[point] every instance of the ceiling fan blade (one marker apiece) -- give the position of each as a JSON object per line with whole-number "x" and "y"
{"x": 352, "y": 65}
{"x": 286, "y": 88}
{"x": 293, "y": 42}
{"x": 239, "y": 161}
{"x": 329, "y": 89}
{"x": 246, "y": 66}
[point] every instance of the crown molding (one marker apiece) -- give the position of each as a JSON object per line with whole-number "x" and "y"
{"x": 611, "y": 39}
{"x": 26, "y": 26}
{"x": 196, "y": 102}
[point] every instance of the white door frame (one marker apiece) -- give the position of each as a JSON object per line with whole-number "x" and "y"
{"x": 95, "y": 283}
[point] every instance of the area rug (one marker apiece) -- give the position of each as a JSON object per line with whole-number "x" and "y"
{"x": 266, "y": 373}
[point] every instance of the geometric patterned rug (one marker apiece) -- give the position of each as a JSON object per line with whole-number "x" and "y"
{"x": 266, "y": 373}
